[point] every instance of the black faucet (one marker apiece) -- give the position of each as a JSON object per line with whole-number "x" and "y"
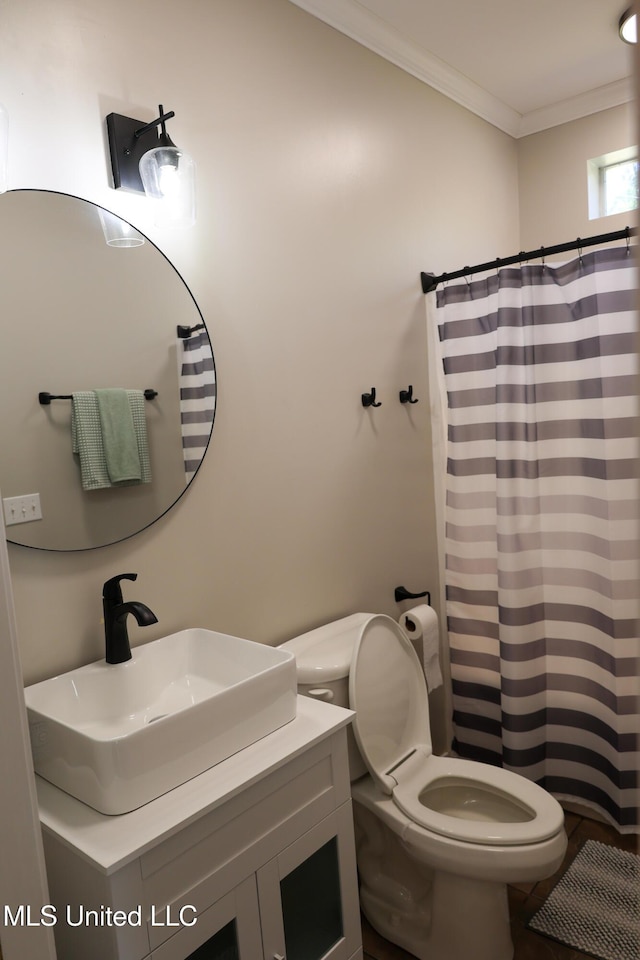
{"x": 116, "y": 612}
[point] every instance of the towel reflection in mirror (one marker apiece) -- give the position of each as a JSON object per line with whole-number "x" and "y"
{"x": 109, "y": 437}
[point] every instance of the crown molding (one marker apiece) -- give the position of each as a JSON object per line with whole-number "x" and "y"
{"x": 353, "y": 20}
{"x": 364, "y": 27}
{"x": 602, "y": 98}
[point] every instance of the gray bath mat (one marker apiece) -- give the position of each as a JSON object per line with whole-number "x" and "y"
{"x": 595, "y": 906}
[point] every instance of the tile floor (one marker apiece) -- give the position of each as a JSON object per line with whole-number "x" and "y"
{"x": 524, "y": 900}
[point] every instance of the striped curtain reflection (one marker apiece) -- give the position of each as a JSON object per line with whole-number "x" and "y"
{"x": 197, "y": 379}
{"x": 541, "y": 534}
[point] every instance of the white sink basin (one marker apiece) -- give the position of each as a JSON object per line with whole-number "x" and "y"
{"x": 119, "y": 735}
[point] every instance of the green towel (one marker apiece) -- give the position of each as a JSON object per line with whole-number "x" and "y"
{"x": 110, "y": 439}
{"x": 86, "y": 440}
{"x": 118, "y": 436}
{"x": 138, "y": 406}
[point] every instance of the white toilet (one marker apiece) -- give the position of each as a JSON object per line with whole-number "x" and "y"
{"x": 438, "y": 838}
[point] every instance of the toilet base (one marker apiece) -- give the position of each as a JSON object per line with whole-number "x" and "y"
{"x": 432, "y": 914}
{"x": 479, "y": 930}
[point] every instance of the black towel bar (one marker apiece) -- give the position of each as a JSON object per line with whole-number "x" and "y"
{"x": 45, "y": 398}
{"x": 185, "y": 332}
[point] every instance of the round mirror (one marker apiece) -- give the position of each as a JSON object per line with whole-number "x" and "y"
{"x": 106, "y": 359}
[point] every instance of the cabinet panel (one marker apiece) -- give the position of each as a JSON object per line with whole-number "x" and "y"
{"x": 311, "y": 905}
{"x": 228, "y": 930}
{"x": 223, "y": 945}
{"x": 308, "y": 894}
{"x": 246, "y": 800}
{"x": 226, "y": 856}
{"x": 74, "y": 887}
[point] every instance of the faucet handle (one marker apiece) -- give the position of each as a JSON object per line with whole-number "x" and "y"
{"x": 111, "y": 589}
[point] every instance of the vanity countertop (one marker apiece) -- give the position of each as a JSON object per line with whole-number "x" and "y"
{"x": 110, "y": 842}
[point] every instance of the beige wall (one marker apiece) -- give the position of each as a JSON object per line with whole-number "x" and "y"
{"x": 327, "y": 180}
{"x": 553, "y": 177}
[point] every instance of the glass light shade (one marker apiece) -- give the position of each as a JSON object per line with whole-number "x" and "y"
{"x": 4, "y": 148}
{"x": 168, "y": 176}
{"x": 117, "y": 232}
{"x": 628, "y": 27}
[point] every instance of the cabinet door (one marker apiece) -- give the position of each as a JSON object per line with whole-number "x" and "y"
{"x": 228, "y": 930}
{"x": 308, "y": 895}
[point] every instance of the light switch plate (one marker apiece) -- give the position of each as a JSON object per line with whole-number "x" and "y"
{"x": 22, "y": 509}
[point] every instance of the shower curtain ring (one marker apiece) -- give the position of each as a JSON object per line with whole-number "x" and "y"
{"x": 542, "y": 257}
{"x": 628, "y": 242}
{"x": 579, "y": 245}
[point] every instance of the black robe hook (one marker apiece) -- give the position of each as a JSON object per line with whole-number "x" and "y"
{"x": 406, "y": 396}
{"x": 369, "y": 399}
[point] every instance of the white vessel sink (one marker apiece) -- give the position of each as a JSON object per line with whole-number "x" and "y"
{"x": 119, "y": 735}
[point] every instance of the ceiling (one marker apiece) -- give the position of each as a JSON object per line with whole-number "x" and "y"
{"x": 523, "y": 65}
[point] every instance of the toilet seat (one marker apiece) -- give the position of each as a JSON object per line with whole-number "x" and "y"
{"x": 524, "y": 812}
{"x": 388, "y": 692}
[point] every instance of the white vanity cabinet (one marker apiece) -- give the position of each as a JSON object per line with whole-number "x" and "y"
{"x": 252, "y": 860}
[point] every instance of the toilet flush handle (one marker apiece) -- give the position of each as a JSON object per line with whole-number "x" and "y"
{"x": 321, "y": 693}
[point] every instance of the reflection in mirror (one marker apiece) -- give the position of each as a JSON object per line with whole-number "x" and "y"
{"x": 80, "y": 316}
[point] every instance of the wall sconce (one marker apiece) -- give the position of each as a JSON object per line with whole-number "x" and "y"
{"x": 627, "y": 27}
{"x": 146, "y": 161}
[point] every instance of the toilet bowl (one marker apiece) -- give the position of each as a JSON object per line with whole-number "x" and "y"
{"x": 437, "y": 838}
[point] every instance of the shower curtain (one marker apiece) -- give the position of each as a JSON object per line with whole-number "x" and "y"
{"x": 541, "y": 523}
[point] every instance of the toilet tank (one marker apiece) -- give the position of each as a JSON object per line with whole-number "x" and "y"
{"x": 323, "y": 658}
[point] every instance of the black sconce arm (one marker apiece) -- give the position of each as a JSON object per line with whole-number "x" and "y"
{"x": 154, "y": 123}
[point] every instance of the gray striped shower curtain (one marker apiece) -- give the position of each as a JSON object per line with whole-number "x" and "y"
{"x": 541, "y": 524}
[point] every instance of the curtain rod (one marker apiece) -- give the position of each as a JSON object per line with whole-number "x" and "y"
{"x": 430, "y": 281}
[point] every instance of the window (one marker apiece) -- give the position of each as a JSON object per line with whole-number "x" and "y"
{"x": 613, "y": 183}
{"x": 619, "y": 187}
